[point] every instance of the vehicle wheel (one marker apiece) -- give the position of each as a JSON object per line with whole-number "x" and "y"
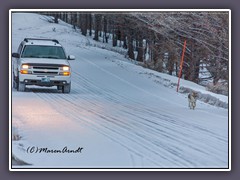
{"x": 21, "y": 86}
{"x": 15, "y": 83}
{"x": 66, "y": 88}
{"x": 59, "y": 87}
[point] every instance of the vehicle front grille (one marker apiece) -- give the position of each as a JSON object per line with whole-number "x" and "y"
{"x": 37, "y": 67}
{"x": 46, "y": 69}
{"x": 44, "y": 72}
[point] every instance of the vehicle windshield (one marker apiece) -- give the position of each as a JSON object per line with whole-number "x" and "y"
{"x": 37, "y": 51}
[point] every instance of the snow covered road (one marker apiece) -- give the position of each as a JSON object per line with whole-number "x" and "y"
{"x": 120, "y": 117}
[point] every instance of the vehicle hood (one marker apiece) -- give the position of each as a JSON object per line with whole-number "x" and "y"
{"x": 44, "y": 61}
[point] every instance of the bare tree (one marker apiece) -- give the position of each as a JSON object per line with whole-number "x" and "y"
{"x": 206, "y": 34}
{"x": 98, "y": 22}
{"x": 157, "y": 38}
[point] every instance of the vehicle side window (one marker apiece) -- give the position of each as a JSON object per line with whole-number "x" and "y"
{"x": 20, "y": 48}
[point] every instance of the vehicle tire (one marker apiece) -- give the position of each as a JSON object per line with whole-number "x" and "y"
{"x": 15, "y": 83}
{"x": 59, "y": 87}
{"x": 21, "y": 86}
{"x": 66, "y": 88}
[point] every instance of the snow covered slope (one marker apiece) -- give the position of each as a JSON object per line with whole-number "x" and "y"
{"x": 122, "y": 115}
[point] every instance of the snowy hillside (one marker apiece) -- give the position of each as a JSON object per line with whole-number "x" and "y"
{"x": 122, "y": 115}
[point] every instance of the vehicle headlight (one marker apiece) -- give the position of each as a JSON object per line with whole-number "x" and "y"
{"x": 65, "y": 68}
{"x": 24, "y": 69}
{"x": 66, "y": 71}
{"x": 25, "y": 66}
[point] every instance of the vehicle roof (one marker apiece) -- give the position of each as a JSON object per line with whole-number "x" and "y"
{"x": 42, "y": 42}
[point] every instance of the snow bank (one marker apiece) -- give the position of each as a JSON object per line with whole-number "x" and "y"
{"x": 187, "y": 87}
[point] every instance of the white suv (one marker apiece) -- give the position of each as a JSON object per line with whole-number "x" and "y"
{"x": 41, "y": 62}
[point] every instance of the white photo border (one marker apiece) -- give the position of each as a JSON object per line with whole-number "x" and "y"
{"x": 116, "y": 169}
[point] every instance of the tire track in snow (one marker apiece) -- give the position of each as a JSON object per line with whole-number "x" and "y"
{"x": 117, "y": 126}
{"x": 144, "y": 131}
{"x": 153, "y": 112}
{"x": 58, "y": 102}
{"x": 75, "y": 114}
{"x": 190, "y": 125}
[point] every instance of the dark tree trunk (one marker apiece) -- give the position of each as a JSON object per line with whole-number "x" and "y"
{"x": 65, "y": 17}
{"x": 140, "y": 49}
{"x": 125, "y": 43}
{"x": 74, "y": 20}
{"x": 130, "y": 47}
{"x": 105, "y": 29}
{"x": 84, "y": 24}
{"x": 114, "y": 40}
{"x": 56, "y": 16}
{"x": 90, "y": 24}
{"x": 170, "y": 63}
{"x": 97, "y": 26}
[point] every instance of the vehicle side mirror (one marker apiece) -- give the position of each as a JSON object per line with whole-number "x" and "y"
{"x": 71, "y": 57}
{"x": 16, "y": 55}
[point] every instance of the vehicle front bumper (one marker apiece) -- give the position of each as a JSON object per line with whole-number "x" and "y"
{"x": 39, "y": 80}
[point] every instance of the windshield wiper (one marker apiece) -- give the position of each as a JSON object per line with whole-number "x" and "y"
{"x": 31, "y": 57}
{"x": 51, "y": 57}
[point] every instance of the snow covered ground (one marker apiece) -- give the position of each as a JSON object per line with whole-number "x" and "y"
{"x": 118, "y": 114}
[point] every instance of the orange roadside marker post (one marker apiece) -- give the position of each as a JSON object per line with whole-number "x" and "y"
{"x": 181, "y": 64}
